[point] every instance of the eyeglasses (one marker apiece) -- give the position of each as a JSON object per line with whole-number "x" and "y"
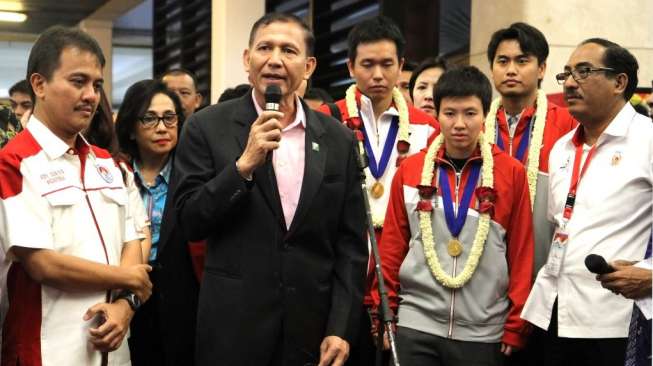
{"x": 580, "y": 73}
{"x": 151, "y": 120}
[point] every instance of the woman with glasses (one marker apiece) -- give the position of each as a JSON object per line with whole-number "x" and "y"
{"x": 148, "y": 125}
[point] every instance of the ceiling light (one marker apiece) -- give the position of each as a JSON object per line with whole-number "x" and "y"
{"x": 11, "y": 6}
{"x": 7, "y": 16}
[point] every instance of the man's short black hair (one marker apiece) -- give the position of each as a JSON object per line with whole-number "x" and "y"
{"x": 234, "y": 93}
{"x": 429, "y": 63}
{"x": 45, "y": 56}
{"x": 318, "y": 94}
{"x": 181, "y": 71}
{"x": 409, "y": 66}
{"x": 465, "y": 81}
{"x": 530, "y": 39}
{"x": 621, "y": 60}
{"x": 373, "y": 30}
{"x": 20, "y": 87}
{"x": 270, "y": 18}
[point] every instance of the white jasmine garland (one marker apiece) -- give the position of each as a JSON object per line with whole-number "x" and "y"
{"x": 533, "y": 163}
{"x": 425, "y": 217}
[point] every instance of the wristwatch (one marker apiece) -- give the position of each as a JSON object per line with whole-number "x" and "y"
{"x": 131, "y": 298}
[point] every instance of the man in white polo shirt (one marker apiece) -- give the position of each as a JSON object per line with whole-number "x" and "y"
{"x": 601, "y": 184}
{"x": 64, "y": 221}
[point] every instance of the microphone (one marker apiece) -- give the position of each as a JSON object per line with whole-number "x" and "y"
{"x": 272, "y": 97}
{"x": 597, "y": 264}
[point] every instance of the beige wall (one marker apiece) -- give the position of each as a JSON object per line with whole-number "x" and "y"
{"x": 102, "y": 31}
{"x": 231, "y": 21}
{"x": 565, "y": 24}
{"x": 100, "y": 26}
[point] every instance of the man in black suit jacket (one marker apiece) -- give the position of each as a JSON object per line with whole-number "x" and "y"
{"x": 283, "y": 280}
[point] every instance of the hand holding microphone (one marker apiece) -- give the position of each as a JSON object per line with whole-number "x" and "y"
{"x": 264, "y": 135}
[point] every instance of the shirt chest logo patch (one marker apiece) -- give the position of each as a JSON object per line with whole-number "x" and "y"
{"x": 616, "y": 158}
{"x": 105, "y": 174}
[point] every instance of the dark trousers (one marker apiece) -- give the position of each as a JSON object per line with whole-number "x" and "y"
{"x": 363, "y": 351}
{"x": 545, "y": 348}
{"x": 144, "y": 342}
{"x": 416, "y": 348}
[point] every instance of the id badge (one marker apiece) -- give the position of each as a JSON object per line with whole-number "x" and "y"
{"x": 557, "y": 252}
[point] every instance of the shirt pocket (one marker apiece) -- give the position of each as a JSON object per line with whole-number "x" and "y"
{"x": 116, "y": 195}
{"x": 64, "y": 219}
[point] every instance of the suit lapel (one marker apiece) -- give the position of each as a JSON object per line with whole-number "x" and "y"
{"x": 264, "y": 175}
{"x": 314, "y": 163}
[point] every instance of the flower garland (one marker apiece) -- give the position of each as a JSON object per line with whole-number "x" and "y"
{"x": 354, "y": 122}
{"x": 533, "y": 164}
{"x": 425, "y": 209}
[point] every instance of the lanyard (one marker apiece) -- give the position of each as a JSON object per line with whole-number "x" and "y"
{"x": 576, "y": 176}
{"x": 378, "y": 168}
{"x": 455, "y": 222}
{"x": 523, "y": 143}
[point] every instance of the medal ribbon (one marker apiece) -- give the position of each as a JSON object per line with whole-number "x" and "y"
{"x": 377, "y": 169}
{"x": 523, "y": 143}
{"x": 455, "y": 223}
{"x": 576, "y": 177}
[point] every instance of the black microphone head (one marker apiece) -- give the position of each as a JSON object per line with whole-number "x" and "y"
{"x": 272, "y": 95}
{"x": 597, "y": 264}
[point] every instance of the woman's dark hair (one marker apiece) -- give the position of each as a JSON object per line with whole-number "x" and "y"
{"x": 101, "y": 132}
{"x": 135, "y": 103}
{"x": 465, "y": 81}
{"x": 429, "y": 63}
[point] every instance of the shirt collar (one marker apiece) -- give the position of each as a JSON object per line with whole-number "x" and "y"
{"x": 300, "y": 116}
{"x": 164, "y": 173}
{"x": 618, "y": 127}
{"x": 52, "y": 145}
{"x": 366, "y": 103}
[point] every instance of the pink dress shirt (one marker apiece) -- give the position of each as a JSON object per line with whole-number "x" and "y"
{"x": 288, "y": 161}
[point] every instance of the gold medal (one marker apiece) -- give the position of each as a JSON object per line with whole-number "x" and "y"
{"x": 377, "y": 190}
{"x": 454, "y": 247}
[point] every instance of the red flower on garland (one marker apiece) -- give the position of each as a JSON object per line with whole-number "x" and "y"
{"x": 486, "y": 198}
{"x": 424, "y": 205}
{"x": 359, "y": 135}
{"x": 354, "y": 123}
{"x": 403, "y": 146}
{"x": 426, "y": 192}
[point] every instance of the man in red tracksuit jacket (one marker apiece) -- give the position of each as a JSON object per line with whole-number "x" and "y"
{"x": 517, "y": 57}
{"x": 458, "y": 238}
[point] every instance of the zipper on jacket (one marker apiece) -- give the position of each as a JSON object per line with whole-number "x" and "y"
{"x": 455, "y": 259}
{"x": 458, "y": 176}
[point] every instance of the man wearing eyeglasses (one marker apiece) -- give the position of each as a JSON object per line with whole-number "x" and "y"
{"x": 601, "y": 183}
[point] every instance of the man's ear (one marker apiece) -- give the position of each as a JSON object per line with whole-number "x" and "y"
{"x": 311, "y": 64}
{"x": 620, "y": 83}
{"x": 246, "y": 60}
{"x": 350, "y": 67}
{"x": 38, "y": 82}
{"x": 541, "y": 70}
